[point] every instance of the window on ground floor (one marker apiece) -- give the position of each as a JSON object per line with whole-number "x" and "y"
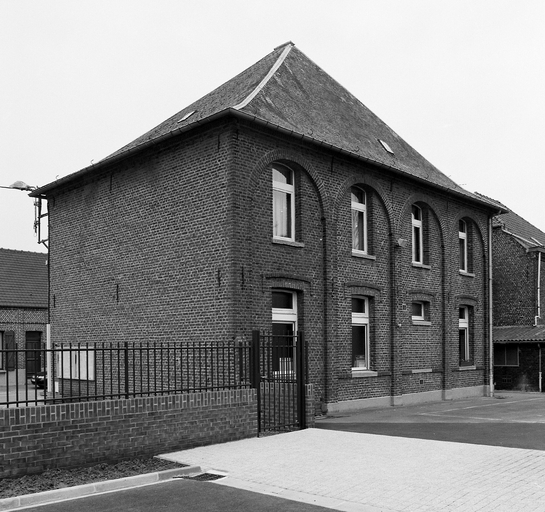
{"x": 465, "y": 335}
{"x": 506, "y": 355}
{"x": 360, "y": 333}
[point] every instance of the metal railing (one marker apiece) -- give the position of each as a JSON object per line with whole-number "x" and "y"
{"x": 101, "y": 371}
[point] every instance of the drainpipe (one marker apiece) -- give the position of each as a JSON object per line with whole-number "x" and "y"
{"x": 490, "y": 309}
{"x": 538, "y": 317}
{"x": 540, "y": 374}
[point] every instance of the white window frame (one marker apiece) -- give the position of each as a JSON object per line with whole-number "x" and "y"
{"x": 289, "y": 191}
{"x": 3, "y": 354}
{"x": 76, "y": 364}
{"x": 362, "y": 320}
{"x": 287, "y": 316}
{"x": 462, "y": 237}
{"x": 417, "y": 241}
{"x": 359, "y": 210}
{"x": 463, "y": 325}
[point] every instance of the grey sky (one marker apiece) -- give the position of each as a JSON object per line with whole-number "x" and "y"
{"x": 462, "y": 81}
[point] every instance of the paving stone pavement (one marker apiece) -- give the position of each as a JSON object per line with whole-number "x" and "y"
{"x": 364, "y": 472}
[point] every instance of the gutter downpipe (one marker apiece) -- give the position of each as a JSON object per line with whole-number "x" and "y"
{"x": 490, "y": 309}
{"x": 538, "y": 317}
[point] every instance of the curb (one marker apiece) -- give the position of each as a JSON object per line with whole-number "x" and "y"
{"x": 80, "y": 491}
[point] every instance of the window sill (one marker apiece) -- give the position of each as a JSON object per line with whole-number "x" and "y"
{"x": 465, "y": 368}
{"x": 359, "y": 254}
{"x": 421, "y": 265}
{"x": 466, "y": 274}
{"x": 291, "y": 243}
{"x": 425, "y": 323}
{"x": 361, "y": 373}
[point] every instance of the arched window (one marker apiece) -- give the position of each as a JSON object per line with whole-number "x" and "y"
{"x": 417, "y": 235}
{"x": 283, "y": 202}
{"x": 359, "y": 220}
{"x": 465, "y": 243}
{"x": 462, "y": 238}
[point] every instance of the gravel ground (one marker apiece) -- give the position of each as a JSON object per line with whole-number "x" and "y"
{"x": 59, "y": 478}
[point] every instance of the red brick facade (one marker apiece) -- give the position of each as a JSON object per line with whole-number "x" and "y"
{"x": 175, "y": 243}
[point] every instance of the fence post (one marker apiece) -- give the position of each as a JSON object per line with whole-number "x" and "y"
{"x": 301, "y": 380}
{"x": 255, "y": 374}
{"x": 126, "y": 370}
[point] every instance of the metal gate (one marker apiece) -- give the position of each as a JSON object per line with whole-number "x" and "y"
{"x": 279, "y": 376}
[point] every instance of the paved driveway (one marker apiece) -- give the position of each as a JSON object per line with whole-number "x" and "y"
{"x": 509, "y": 419}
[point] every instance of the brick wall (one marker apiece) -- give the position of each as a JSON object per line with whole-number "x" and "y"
{"x": 33, "y": 439}
{"x": 176, "y": 243}
{"x": 515, "y": 281}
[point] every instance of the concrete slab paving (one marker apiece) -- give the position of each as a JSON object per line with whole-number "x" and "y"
{"x": 364, "y": 472}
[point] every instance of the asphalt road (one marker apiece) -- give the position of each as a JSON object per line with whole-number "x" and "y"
{"x": 180, "y": 495}
{"x": 515, "y": 420}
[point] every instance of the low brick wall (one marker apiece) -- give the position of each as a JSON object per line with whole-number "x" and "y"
{"x": 33, "y": 439}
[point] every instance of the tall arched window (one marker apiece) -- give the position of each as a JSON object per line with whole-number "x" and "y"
{"x": 359, "y": 220}
{"x": 418, "y": 235}
{"x": 462, "y": 239}
{"x": 283, "y": 202}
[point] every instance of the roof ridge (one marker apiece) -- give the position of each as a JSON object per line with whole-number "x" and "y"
{"x": 287, "y": 48}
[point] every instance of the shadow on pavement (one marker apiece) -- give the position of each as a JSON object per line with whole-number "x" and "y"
{"x": 514, "y": 420}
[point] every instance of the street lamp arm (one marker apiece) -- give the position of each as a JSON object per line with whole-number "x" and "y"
{"x": 20, "y": 185}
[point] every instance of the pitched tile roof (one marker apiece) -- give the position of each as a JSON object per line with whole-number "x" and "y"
{"x": 287, "y": 91}
{"x": 519, "y": 333}
{"x": 525, "y": 233}
{"x": 23, "y": 279}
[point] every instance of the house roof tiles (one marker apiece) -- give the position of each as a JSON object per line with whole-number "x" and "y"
{"x": 519, "y": 334}
{"x": 287, "y": 91}
{"x": 527, "y": 234}
{"x": 23, "y": 279}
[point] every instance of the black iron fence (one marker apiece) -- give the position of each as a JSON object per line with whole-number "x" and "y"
{"x": 100, "y": 371}
{"x": 279, "y": 375}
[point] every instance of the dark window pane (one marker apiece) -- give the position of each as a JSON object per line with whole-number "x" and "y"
{"x": 416, "y": 249}
{"x": 462, "y": 254}
{"x": 357, "y": 196}
{"x": 511, "y": 355}
{"x": 417, "y": 309}
{"x": 359, "y": 336}
{"x": 464, "y": 356}
{"x": 462, "y": 226}
{"x": 499, "y": 355}
{"x": 282, "y": 300}
{"x": 358, "y": 306}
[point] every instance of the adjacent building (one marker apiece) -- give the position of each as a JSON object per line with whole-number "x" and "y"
{"x": 519, "y": 296}
{"x": 23, "y": 313}
{"x": 279, "y": 202}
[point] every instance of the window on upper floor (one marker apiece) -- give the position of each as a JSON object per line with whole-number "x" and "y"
{"x": 465, "y": 242}
{"x": 359, "y": 220}
{"x": 283, "y": 202}
{"x": 417, "y": 235}
{"x": 360, "y": 333}
{"x": 462, "y": 237}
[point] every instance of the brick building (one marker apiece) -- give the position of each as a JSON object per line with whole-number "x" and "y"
{"x": 23, "y": 311}
{"x": 280, "y": 202}
{"x": 518, "y": 250}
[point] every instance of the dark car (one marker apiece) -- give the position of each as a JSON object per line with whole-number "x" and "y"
{"x": 39, "y": 379}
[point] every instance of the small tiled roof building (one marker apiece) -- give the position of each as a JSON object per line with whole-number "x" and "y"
{"x": 279, "y": 200}
{"x": 518, "y": 257}
{"x": 23, "y": 310}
